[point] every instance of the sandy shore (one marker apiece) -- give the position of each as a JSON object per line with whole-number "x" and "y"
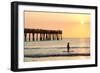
{"x": 39, "y": 50}
{"x": 55, "y": 58}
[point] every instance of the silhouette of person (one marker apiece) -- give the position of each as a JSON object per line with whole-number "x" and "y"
{"x": 68, "y": 47}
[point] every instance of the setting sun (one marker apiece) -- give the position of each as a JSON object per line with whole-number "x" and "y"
{"x": 82, "y": 22}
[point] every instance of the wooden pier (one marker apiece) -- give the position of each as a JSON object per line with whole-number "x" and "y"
{"x": 40, "y": 34}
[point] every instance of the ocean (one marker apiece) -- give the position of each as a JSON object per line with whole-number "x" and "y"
{"x": 57, "y": 49}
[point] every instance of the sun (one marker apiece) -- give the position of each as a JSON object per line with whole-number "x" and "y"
{"x": 82, "y": 22}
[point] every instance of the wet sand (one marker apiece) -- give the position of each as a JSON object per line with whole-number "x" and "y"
{"x": 53, "y": 51}
{"x": 32, "y": 50}
{"x": 56, "y": 58}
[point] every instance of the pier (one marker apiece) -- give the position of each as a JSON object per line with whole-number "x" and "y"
{"x": 41, "y": 34}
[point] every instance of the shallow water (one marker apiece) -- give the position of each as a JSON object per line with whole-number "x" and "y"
{"x": 79, "y": 46}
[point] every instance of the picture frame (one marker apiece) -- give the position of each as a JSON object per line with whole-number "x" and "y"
{"x": 43, "y": 18}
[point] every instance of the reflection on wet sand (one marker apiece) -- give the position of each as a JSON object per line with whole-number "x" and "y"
{"x": 56, "y": 58}
{"x": 49, "y": 52}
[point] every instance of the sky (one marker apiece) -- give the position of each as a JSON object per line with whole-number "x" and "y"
{"x": 73, "y": 25}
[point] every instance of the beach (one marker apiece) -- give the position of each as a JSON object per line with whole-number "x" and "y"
{"x": 57, "y": 50}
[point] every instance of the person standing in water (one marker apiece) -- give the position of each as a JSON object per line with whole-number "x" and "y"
{"x": 68, "y": 47}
